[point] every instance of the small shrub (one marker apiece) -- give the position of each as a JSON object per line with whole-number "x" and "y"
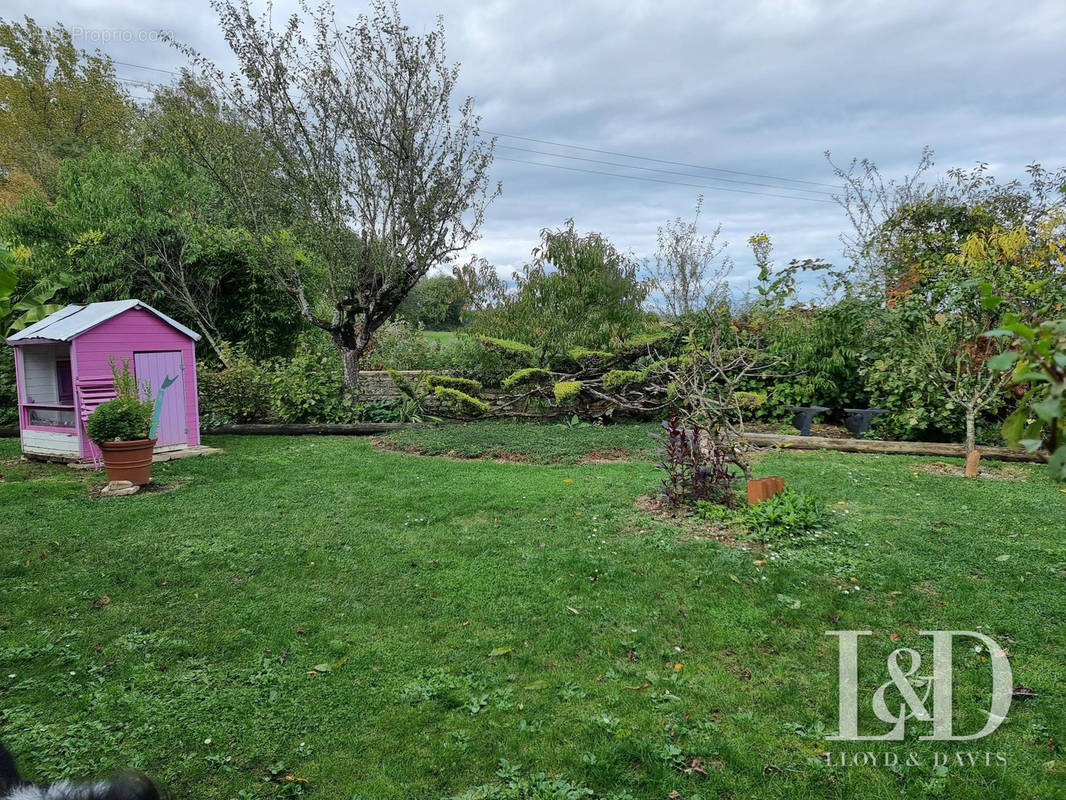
{"x": 126, "y": 417}
{"x": 516, "y": 351}
{"x": 696, "y": 467}
{"x": 120, "y": 420}
{"x": 750, "y": 401}
{"x": 787, "y": 515}
{"x": 589, "y": 359}
{"x": 460, "y": 402}
{"x": 567, "y": 392}
{"x": 237, "y": 392}
{"x": 470, "y": 357}
{"x": 383, "y": 410}
{"x": 527, "y": 378}
{"x": 465, "y": 385}
{"x": 309, "y": 387}
{"x": 399, "y": 345}
{"x": 715, "y": 512}
{"x": 399, "y": 380}
{"x": 645, "y": 343}
{"x": 618, "y": 379}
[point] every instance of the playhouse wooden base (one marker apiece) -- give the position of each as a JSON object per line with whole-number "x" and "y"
{"x": 166, "y": 454}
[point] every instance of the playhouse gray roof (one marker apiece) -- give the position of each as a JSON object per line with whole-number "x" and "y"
{"x": 73, "y": 320}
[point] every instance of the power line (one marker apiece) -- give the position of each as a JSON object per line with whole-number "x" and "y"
{"x": 661, "y": 160}
{"x": 664, "y": 171}
{"x": 659, "y": 180}
{"x": 587, "y": 149}
{"x": 141, "y": 66}
{"x": 135, "y": 82}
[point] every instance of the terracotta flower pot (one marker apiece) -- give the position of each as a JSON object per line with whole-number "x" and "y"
{"x": 128, "y": 461}
{"x": 760, "y": 489}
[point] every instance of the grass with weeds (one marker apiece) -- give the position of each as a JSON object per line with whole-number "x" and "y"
{"x": 316, "y": 617}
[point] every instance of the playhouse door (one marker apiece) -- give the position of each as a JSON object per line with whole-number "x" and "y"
{"x": 165, "y": 375}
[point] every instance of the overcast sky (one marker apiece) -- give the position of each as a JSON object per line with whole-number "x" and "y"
{"x": 754, "y": 87}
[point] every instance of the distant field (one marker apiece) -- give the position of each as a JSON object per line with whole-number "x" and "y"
{"x": 444, "y": 337}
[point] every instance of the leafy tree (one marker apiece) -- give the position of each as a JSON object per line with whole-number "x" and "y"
{"x": 957, "y": 360}
{"x": 579, "y": 291}
{"x": 689, "y": 269}
{"x": 435, "y": 302}
{"x": 1038, "y": 363}
{"x": 155, "y": 228}
{"x": 56, "y": 102}
{"x": 904, "y": 230}
{"x": 16, "y": 314}
{"x": 356, "y": 158}
{"x": 480, "y": 285}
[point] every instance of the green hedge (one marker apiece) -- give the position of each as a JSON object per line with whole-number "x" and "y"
{"x": 460, "y": 402}
{"x": 465, "y": 385}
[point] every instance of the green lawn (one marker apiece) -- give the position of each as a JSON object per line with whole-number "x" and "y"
{"x": 386, "y": 625}
{"x": 536, "y": 443}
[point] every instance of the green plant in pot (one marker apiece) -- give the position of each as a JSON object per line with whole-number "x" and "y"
{"x": 121, "y": 428}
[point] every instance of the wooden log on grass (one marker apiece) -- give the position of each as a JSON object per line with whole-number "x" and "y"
{"x": 305, "y": 429}
{"x": 882, "y": 447}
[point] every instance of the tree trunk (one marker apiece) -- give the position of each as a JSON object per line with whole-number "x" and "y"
{"x": 350, "y": 357}
{"x": 971, "y": 429}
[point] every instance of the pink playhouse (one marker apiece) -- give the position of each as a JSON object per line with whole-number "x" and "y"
{"x": 63, "y": 371}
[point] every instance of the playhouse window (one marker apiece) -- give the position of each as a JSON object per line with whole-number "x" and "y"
{"x": 51, "y": 417}
{"x": 48, "y": 387}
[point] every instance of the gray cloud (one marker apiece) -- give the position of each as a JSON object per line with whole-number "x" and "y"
{"x": 761, "y": 87}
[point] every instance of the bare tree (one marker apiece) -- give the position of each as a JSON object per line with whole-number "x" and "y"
{"x": 870, "y": 200}
{"x": 689, "y": 270}
{"x": 364, "y": 180}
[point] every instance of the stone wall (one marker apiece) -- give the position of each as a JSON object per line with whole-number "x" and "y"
{"x": 377, "y": 385}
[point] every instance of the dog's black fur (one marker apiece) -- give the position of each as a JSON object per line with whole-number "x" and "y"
{"x": 131, "y": 786}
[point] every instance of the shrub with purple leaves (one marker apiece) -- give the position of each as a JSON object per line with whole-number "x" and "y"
{"x": 696, "y": 467}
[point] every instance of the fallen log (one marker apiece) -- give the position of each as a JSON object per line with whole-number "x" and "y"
{"x": 304, "y": 429}
{"x": 882, "y": 447}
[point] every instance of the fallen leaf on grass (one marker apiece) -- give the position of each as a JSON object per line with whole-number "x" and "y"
{"x": 500, "y": 651}
{"x": 536, "y": 686}
{"x": 1003, "y": 557}
{"x": 638, "y": 688}
{"x": 1023, "y": 692}
{"x": 572, "y": 610}
{"x": 322, "y": 669}
{"x": 100, "y": 602}
{"x": 895, "y": 637}
{"x": 695, "y": 767}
